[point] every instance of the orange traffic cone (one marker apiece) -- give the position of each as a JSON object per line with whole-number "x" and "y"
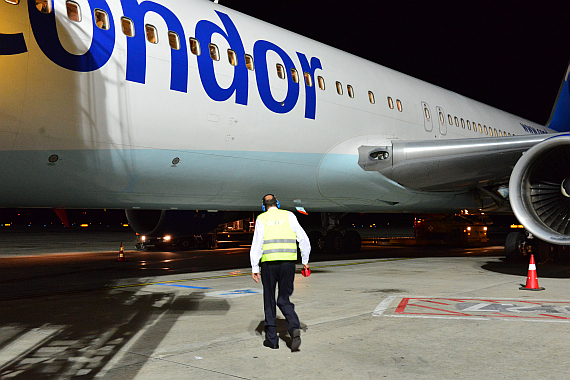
{"x": 122, "y": 253}
{"x": 532, "y": 279}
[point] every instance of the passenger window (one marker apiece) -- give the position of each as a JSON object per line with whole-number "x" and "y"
{"x": 15, "y": 2}
{"x": 441, "y": 118}
{"x": 501, "y": 133}
{"x": 486, "y": 131}
{"x": 321, "y": 81}
{"x": 43, "y": 6}
{"x": 249, "y": 62}
{"x": 450, "y": 119}
{"x": 128, "y": 27}
{"x": 294, "y": 75}
{"x": 174, "y": 40}
{"x": 480, "y": 129}
{"x": 194, "y": 46}
{"x": 371, "y": 97}
{"x": 339, "y": 88}
{"x": 390, "y": 103}
{"x": 280, "y": 71}
{"x": 456, "y": 122}
{"x": 468, "y": 125}
{"x": 232, "y": 57}
{"x": 308, "y": 79}
{"x": 462, "y": 123}
{"x": 73, "y": 11}
{"x": 350, "y": 91}
{"x": 399, "y": 104}
{"x": 214, "y": 53}
{"x": 151, "y": 34}
{"x": 101, "y": 19}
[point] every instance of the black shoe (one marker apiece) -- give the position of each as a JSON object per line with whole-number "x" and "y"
{"x": 295, "y": 340}
{"x": 267, "y": 343}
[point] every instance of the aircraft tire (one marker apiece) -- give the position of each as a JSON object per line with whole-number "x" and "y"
{"x": 512, "y": 246}
{"x": 352, "y": 241}
{"x": 315, "y": 237}
{"x": 334, "y": 242}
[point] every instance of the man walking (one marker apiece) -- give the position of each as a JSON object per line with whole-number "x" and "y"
{"x": 274, "y": 245}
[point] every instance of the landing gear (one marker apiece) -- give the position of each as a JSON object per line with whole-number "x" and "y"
{"x": 333, "y": 239}
{"x": 519, "y": 247}
{"x": 515, "y": 246}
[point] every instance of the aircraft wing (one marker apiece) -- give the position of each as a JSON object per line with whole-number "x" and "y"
{"x": 448, "y": 165}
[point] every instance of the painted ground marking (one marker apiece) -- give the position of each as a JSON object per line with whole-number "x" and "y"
{"x": 475, "y": 308}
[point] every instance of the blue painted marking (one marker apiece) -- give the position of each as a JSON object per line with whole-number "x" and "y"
{"x": 185, "y": 286}
{"x": 239, "y": 291}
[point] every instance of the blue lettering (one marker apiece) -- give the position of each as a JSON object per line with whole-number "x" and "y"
{"x": 11, "y": 44}
{"x": 45, "y": 33}
{"x": 204, "y": 31}
{"x": 103, "y": 43}
{"x": 136, "y": 46}
{"x": 260, "y": 49}
{"x": 310, "y": 93}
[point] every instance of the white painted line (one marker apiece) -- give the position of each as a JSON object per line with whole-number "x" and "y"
{"x": 26, "y": 343}
{"x": 234, "y": 293}
{"x": 382, "y": 306}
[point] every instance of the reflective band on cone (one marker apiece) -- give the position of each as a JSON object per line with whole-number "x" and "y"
{"x": 532, "y": 279}
{"x": 122, "y": 253}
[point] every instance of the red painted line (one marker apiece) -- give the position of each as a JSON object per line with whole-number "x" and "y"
{"x": 402, "y": 305}
{"x": 445, "y": 311}
{"x": 439, "y": 303}
{"x": 554, "y": 316}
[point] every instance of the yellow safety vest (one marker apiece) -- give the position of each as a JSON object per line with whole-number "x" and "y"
{"x": 279, "y": 240}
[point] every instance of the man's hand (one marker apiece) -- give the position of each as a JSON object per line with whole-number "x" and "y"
{"x": 255, "y": 277}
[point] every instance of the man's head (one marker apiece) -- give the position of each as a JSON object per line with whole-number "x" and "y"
{"x": 270, "y": 201}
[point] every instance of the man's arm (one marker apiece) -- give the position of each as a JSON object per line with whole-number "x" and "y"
{"x": 256, "y": 250}
{"x": 302, "y": 238}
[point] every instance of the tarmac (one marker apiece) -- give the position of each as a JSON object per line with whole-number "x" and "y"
{"x": 390, "y": 318}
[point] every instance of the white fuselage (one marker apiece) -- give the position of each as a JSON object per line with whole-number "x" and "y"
{"x": 116, "y": 138}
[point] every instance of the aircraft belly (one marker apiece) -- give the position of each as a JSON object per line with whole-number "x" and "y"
{"x": 148, "y": 178}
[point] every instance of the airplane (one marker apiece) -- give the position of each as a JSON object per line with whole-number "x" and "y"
{"x": 167, "y": 107}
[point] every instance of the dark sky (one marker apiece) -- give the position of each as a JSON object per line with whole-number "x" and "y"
{"x": 509, "y": 54}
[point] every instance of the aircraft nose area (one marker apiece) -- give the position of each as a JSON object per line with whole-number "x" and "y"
{"x": 340, "y": 175}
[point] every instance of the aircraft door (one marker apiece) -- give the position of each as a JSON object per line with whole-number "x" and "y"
{"x": 428, "y": 124}
{"x": 441, "y": 121}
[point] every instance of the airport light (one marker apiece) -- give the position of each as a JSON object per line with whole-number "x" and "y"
{"x": 167, "y": 238}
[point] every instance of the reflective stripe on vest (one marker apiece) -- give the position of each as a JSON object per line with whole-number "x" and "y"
{"x": 279, "y": 240}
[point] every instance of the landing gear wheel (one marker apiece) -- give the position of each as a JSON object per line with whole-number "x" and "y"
{"x": 334, "y": 242}
{"x": 352, "y": 241}
{"x": 315, "y": 237}
{"x": 185, "y": 243}
{"x": 513, "y": 246}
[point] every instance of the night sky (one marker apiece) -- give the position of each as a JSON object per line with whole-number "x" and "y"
{"x": 509, "y": 54}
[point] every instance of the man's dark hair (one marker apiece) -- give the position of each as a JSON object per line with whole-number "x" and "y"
{"x": 269, "y": 200}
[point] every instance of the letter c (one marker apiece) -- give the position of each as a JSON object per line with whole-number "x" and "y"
{"x": 45, "y": 33}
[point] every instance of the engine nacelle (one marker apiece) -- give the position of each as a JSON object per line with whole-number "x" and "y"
{"x": 539, "y": 190}
{"x": 173, "y": 222}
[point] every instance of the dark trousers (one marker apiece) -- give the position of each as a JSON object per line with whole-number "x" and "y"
{"x": 282, "y": 273}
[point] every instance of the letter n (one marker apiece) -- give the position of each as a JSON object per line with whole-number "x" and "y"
{"x": 136, "y": 46}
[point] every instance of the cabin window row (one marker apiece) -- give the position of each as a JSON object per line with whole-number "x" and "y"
{"x": 127, "y": 26}
{"x": 477, "y": 127}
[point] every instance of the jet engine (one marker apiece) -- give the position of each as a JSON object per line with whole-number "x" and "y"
{"x": 539, "y": 190}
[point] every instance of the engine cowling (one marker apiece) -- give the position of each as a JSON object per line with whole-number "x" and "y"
{"x": 539, "y": 190}
{"x": 173, "y": 222}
